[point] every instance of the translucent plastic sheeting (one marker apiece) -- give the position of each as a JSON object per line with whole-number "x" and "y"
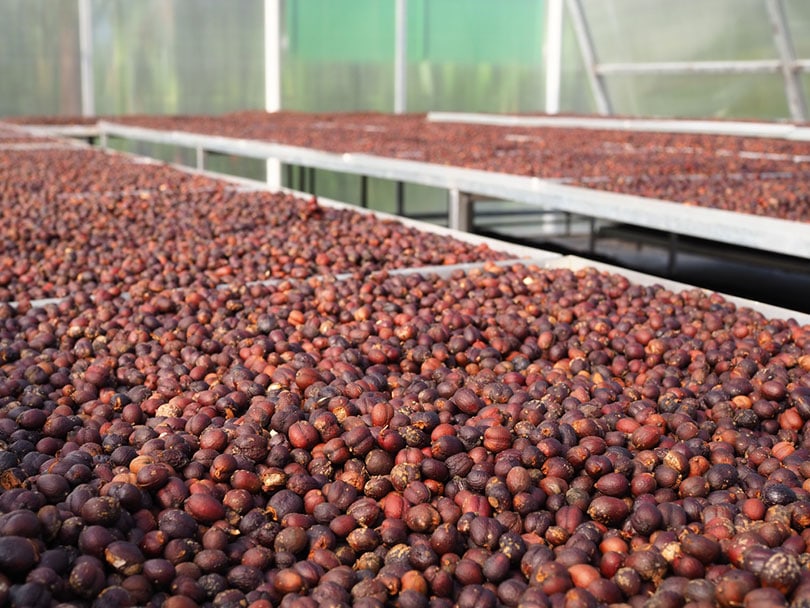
{"x": 207, "y": 56}
{"x": 798, "y": 16}
{"x": 575, "y": 96}
{"x": 628, "y": 31}
{"x": 686, "y": 30}
{"x": 699, "y": 95}
{"x": 178, "y": 56}
{"x": 39, "y": 57}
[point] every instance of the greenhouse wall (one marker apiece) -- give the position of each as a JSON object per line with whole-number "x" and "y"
{"x": 207, "y": 56}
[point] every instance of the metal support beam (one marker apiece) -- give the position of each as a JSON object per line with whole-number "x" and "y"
{"x": 459, "y": 210}
{"x": 400, "y": 198}
{"x": 787, "y": 55}
{"x": 312, "y": 180}
{"x": 272, "y": 77}
{"x": 774, "y": 130}
{"x": 86, "y": 58}
{"x": 272, "y": 55}
{"x": 753, "y": 66}
{"x": 596, "y": 81}
{"x": 200, "y": 158}
{"x": 400, "y": 56}
{"x": 553, "y": 54}
{"x": 364, "y": 191}
{"x": 592, "y": 235}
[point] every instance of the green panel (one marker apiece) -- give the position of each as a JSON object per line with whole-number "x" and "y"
{"x": 39, "y": 57}
{"x": 310, "y": 86}
{"x": 474, "y": 88}
{"x": 338, "y": 55}
{"x": 507, "y": 32}
{"x": 338, "y": 31}
{"x": 462, "y": 55}
{"x": 475, "y": 55}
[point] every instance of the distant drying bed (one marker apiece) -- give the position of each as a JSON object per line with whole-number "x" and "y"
{"x": 80, "y": 219}
{"x": 761, "y": 176}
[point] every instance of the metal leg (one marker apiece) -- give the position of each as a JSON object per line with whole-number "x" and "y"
{"x": 400, "y": 198}
{"x": 459, "y": 210}
{"x": 200, "y": 158}
{"x": 592, "y": 237}
{"x": 103, "y": 141}
{"x": 312, "y": 180}
{"x": 673, "y": 253}
{"x": 273, "y": 173}
{"x": 364, "y": 191}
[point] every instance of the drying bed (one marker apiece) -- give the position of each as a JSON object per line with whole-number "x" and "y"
{"x": 753, "y": 175}
{"x": 52, "y": 173}
{"x": 83, "y": 219}
{"x": 502, "y": 435}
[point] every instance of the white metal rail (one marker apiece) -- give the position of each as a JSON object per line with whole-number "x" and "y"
{"x": 736, "y": 128}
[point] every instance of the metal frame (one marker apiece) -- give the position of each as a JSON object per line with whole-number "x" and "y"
{"x": 86, "y": 57}
{"x": 787, "y": 63}
{"x": 400, "y": 56}
{"x": 552, "y": 49}
{"x": 772, "y": 130}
